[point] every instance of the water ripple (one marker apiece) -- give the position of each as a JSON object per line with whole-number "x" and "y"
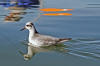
{"x": 87, "y": 48}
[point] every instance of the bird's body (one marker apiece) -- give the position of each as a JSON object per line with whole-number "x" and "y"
{"x": 37, "y": 40}
{"x": 43, "y": 40}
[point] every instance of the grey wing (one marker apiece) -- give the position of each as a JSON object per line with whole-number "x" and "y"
{"x": 47, "y": 40}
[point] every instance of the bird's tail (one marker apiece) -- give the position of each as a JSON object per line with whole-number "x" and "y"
{"x": 64, "y": 40}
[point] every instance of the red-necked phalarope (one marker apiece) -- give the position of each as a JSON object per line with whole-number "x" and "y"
{"x": 37, "y": 40}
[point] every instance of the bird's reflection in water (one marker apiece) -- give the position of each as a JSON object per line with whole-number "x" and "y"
{"x": 32, "y": 51}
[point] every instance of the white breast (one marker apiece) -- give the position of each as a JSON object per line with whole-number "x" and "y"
{"x": 35, "y": 42}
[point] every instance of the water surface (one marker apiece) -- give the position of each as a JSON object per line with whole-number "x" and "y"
{"x": 83, "y": 27}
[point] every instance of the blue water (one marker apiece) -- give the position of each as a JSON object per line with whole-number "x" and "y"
{"x": 83, "y": 27}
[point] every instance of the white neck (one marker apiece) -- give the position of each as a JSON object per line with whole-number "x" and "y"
{"x": 31, "y": 32}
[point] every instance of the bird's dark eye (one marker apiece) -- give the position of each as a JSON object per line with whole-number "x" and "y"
{"x": 28, "y": 25}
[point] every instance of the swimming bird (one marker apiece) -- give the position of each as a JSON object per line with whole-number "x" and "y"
{"x": 37, "y": 40}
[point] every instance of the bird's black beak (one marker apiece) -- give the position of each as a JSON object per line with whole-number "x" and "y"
{"x": 22, "y": 29}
